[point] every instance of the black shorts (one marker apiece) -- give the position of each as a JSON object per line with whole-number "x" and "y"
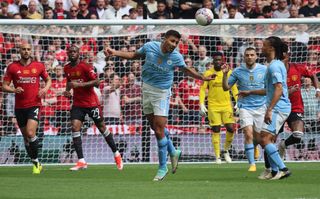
{"x": 292, "y": 118}
{"x": 24, "y": 114}
{"x": 80, "y": 113}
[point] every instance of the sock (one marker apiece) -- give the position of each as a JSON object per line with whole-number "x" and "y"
{"x": 108, "y": 136}
{"x": 162, "y": 152}
{"x": 266, "y": 160}
{"x": 77, "y": 142}
{"x": 274, "y": 155}
{"x": 171, "y": 148}
{"x": 116, "y": 154}
{"x": 33, "y": 143}
{"x": 292, "y": 139}
{"x": 216, "y": 143}
{"x": 228, "y": 142}
{"x": 273, "y": 165}
{"x": 249, "y": 148}
{"x": 28, "y": 149}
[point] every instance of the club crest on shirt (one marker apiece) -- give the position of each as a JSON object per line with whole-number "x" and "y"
{"x": 251, "y": 78}
{"x": 169, "y": 62}
{"x": 294, "y": 77}
{"x": 33, "y": 71}
{"x": 78, "y": 73}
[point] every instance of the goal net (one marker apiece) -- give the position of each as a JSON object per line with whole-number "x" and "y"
{"x": 123, "y": 113}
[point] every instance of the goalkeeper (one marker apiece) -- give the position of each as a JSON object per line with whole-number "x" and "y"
{"x": 220, "y": 108}
{"x": 249, "y": 77}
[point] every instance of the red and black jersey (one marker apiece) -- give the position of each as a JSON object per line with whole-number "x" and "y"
{"x": 82, "y": 97}
{"x": 28, "y": 78}
{"x": 295, "y": 72}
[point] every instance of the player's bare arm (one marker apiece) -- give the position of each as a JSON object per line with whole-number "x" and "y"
{"x": 194, "y": 74}
{"x": 74, "y": 84}
{"x": 315, "y": 83}
{"x": 276, "y": 96}
{"x": 43, "y": 91}
{"x": 125, "y": 55}
{"x": 225, "y": 69}
{"x": 9, "y": 89}
{"x": 67, "y": 92}
{"x": 251, "y": 92}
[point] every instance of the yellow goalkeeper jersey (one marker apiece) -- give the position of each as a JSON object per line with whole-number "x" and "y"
{"x": 218, "y": 99}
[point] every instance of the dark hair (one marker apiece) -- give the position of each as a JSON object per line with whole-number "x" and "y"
{"x": 279, "y": 47}
{"x": 47, "y": 8}
{"x": 250, "y": 48}
{"x": 266, "y": 9}
{"x": 215, "y": 54}
{"x": 23, "y": 7}
{"x": 172, "y": 33}
{"x": 232, "y": 7}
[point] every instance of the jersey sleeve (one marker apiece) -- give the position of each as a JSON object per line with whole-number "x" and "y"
{"x": 142, "y": 50}
{"x": 180, "y": 61}
{"x": 233, "y": 78}
{"x": 44, "y": 74}
{"x": 203, "y": 88}
{"x": 305, "y": 71}
{"x": 276, "y": 75}
{"x": 234, "y": 88}
{"x": 65, "y": 71}
{"x": 8, "y": 75}
{"x": 90, "y": 72}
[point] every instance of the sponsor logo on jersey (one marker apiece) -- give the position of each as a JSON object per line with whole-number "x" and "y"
{"x": 27, "y": 80}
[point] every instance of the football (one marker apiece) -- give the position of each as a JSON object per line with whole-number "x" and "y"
{"x": 204, "y": 16}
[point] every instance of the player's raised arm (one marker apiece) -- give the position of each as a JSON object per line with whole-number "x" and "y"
{"x": 125, "y": 55}
{"x": 316, "y": 85}
{"x": 225, "y": 85}
{"x": 193, "y": 73}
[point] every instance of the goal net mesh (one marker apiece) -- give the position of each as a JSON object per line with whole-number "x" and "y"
{"x": 123, "y": 115}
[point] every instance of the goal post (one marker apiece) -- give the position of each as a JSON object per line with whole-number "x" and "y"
{"x": 189, "y": 131}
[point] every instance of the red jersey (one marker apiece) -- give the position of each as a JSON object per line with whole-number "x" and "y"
{"x": 63, "y": 103}
{"x": 189, "y": 92}
{"x": 295, "y": 72}
{"x": 28, "y": 78}
{"x": 82, "y": 97}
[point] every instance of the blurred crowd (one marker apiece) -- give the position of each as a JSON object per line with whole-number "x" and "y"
{"x": 152, "y": 9}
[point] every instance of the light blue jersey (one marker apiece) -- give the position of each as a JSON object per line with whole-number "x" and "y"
{"x": 249, "y": 80}
{"x": 277, "y": 73}
{"x": 158, "y": 68}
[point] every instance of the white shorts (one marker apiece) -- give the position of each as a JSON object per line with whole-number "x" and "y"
{"x": 155, "y": 100}
{"x": 277, "y": 120}
{"x": 252, "y": 118}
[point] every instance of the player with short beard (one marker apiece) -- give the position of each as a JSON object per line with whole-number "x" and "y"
{"x": 25, "y": 75}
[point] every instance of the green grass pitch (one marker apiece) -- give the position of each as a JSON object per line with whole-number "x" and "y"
{"x": 194, "y": 181}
